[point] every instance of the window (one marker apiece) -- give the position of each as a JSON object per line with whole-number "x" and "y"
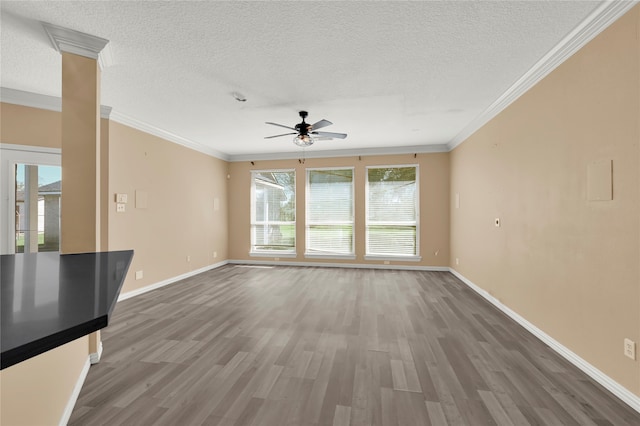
{"x": 329, "y": 227}
{"x": 273, "y": 212}
{"x": 392, "y": 212}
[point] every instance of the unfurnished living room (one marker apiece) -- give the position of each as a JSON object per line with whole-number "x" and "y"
{"x": 320, "y": 213}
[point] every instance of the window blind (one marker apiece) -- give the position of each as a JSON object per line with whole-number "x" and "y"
{"x": 273, "y": 220}
{"x": 329, "y": 211}
{"x": 392, "y": 216}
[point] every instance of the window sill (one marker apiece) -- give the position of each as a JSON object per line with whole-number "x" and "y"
{"x": 329, "y": 256}
{"x": 275, "y": 254}
{"x": 393, "y": 258}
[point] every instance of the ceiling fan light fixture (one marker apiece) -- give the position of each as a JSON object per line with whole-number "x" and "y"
{"x": 303, "y": 140}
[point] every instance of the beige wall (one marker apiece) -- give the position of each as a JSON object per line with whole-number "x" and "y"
{"x": 434, "y": 205}
{"x": 182, "y": 217}
{"x": 30, "y": 126}
{"x": 35, "y": 392}
{"x": 567, "y": 265}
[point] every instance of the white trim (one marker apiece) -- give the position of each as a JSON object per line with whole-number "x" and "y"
{"x": 54, "y": 103}
{"x": 594, "y": 24}
{"x": 614, "y": 387}
{"x": 83, "y": 44}
{"x": 362, "y": 152}
{"x": 71, "y": 403}
{"x": 164, "y": 134}
{"x": 163, "y": 283}
{"x": 30, "y": 148}
{"x": 36, "y": 100}
{"x": 273, "y": 254}
{"x": 105, "y": 111}
{"x": 29, "y": 99}
{"x": 339, "y": 265}
{"x": 95, "y": 357}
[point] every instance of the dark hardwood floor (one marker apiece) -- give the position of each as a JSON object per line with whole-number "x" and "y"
{"x": 327, "y": 346}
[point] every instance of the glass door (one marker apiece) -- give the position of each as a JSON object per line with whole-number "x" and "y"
{"x": 38, "y": 189}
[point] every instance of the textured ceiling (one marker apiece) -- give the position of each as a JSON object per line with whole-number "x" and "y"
{"x": 390, "y": 74}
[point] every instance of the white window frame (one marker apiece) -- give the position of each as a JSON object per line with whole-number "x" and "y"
{"x": 392, "y": 257}
{"x": 309, "y": 223}
{"x": 10, "y": 155}
{"x": 272, "y": 253}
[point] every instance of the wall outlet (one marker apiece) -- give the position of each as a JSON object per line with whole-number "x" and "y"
{"x": 215, "y": 254}
{"x": 630, "y": 349}
{"x": 120, "y": 208}
{"x": 139, "y": 275}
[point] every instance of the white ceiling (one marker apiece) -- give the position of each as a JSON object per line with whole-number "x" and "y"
{"x": 393, "y": 75}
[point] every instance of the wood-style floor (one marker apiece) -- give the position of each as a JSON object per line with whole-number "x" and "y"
{"x": 327, "y": 346}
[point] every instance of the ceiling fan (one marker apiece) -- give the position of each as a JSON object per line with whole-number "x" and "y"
{"x": 307, "y": 134}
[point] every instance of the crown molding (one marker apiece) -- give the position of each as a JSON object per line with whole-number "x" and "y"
{"x": 105, "y": 111}
{"x": 72, "y": 41}
{"x": 413, "y": 149}
{"x": 594, "y": 24}
{"x": 35, "y": 100}
{"x": 171, "y": 137}
{"x": 30, "y": 99}
{"x": 54, "y": 103}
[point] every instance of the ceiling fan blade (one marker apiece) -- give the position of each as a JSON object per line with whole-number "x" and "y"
{"x": 280, "y": 125}
{"x": 320, "y": 124}
{"x": 277, "y": 136}
{"x": 330, "y": 135}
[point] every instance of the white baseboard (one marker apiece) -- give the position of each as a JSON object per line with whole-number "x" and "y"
{"x": 66, "y": 415}
{"x": 94, "y": 358}
{"x": 337, "y": 265}
{"x": 139, "y": 291}
{"x": 628, "y": 397}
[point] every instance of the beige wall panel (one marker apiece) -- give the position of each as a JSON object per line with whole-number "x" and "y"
{"x": 180, "y": 219}
{"x": 568, "y": 265}
{"x": 434, "y": 205}
{"x": 36, "y": 391}
{"x": 30, "y": 126}
{"x": 80, "y": 202}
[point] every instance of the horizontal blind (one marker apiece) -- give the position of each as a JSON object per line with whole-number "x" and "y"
{"x": 330, "y": 211}
{"x": 391, "y": 211}
{"x": 273, "y": 211}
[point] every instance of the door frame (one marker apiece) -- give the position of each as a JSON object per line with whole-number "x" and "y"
{"x": 10, "y": 155}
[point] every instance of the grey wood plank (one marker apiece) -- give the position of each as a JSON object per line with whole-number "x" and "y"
{"x": 296, "y": 346}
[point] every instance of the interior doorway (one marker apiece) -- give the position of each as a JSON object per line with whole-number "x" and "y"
{"x": 30, "y": 194}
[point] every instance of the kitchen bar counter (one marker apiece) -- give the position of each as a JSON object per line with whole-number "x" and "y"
{"x": 49, "y": 299}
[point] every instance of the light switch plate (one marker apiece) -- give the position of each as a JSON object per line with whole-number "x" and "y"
{"x": 121, "y": 198}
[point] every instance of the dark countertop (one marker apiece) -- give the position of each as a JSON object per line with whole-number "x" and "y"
{"x": 49, "y": 299}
